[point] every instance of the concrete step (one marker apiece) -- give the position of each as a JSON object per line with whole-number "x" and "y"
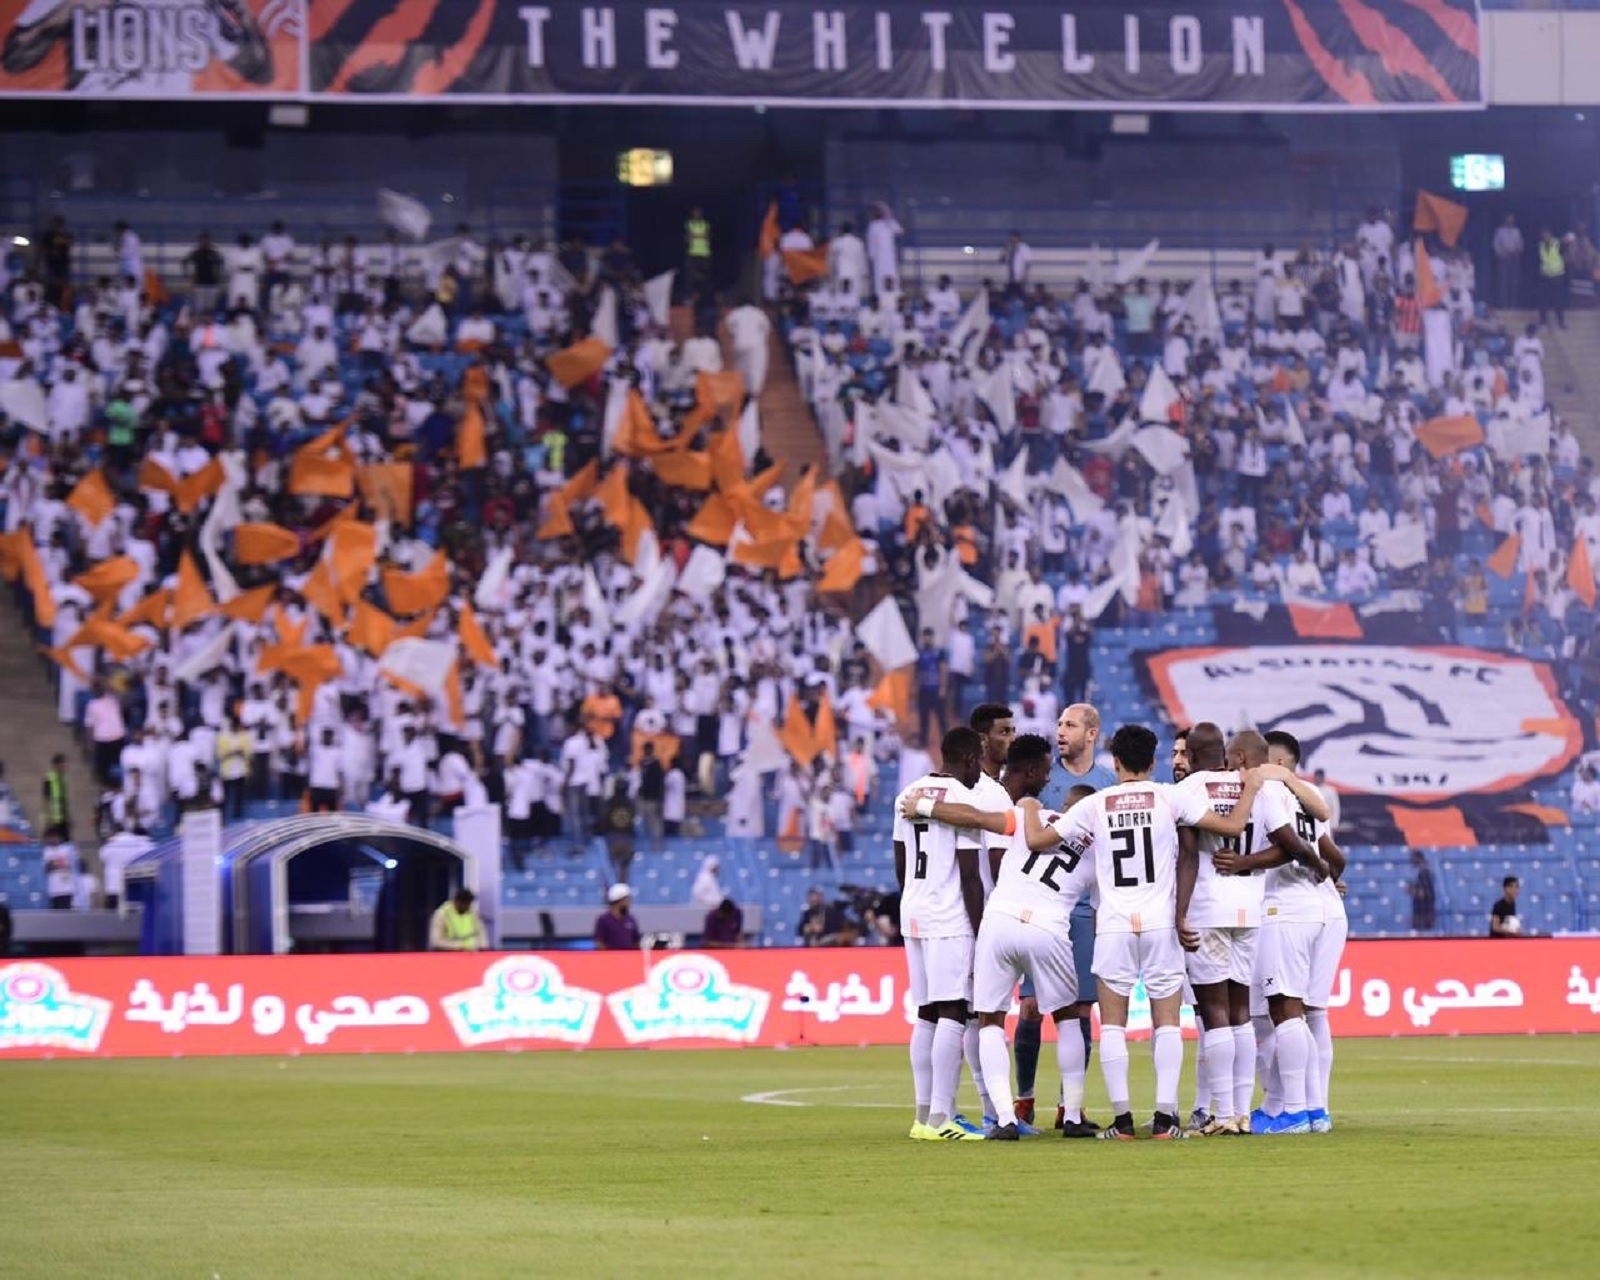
{"x": 788, "y": 431}
{"x": 1572, "y": 375}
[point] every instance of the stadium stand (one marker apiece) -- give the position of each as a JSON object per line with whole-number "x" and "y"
{"x": 479, "y": 519}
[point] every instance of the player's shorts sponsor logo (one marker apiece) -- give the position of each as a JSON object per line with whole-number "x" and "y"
{"x": 522, "y": 998}
{"x": 38, "y": 1010}
{"x": 689, "y": 997}
{"x": 1419, "y": 723}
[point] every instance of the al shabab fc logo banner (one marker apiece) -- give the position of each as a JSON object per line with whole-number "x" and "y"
{"x": 1418, "y": 724}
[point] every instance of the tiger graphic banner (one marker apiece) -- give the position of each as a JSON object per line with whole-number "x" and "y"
{"x": 1224, "y": 55}
{"x": 156, "y": 49}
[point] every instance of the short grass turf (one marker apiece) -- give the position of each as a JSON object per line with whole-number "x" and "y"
{"x": 1458, "y": 1157}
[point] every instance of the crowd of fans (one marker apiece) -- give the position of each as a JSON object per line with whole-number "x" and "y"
{"x": 232, "y": 502}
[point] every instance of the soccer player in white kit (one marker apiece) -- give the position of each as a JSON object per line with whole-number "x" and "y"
{"x": 941, "y": 904}
{"x": 1284, "y": 749}
{"x": 1291, "y": 918}
{"x": 1130, "y": 832}
{"x": 1026, "y": 932}
{"x": 1225, "y": 914}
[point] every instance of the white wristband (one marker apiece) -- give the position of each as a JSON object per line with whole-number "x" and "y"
{"x": 925, "y": 806}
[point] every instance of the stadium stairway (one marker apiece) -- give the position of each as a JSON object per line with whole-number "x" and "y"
{"x": 1572, "y": 373}
{"x": 33, "y": 734}
{"x": 788, "y": 431}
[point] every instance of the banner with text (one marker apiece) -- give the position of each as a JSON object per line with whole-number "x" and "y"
{"x": 1422, "y": 724}
{"x": 1232, "y": 55}
{"x": 164, "y": 49}
{"x": 167, "y": 1006}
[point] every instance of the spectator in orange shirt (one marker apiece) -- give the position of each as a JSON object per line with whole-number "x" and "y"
{"x": 917, "y": 515}
{"x": 602, "y": 712}
{"x": 1045, "y": 629}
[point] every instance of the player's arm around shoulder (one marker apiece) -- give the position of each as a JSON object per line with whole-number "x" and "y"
{"x": 1305, "y": 793}
{"x": 1037, "y": 833}
{"x": 915, "y": 806}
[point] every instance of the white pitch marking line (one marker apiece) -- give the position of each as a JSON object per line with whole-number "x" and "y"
{"x": 782, "y": 1098}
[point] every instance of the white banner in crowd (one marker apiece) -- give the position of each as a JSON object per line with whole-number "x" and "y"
{"x": 1422, "y": 724}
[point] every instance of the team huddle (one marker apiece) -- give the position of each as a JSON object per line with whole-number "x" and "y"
{"x": 1219, "y": 888}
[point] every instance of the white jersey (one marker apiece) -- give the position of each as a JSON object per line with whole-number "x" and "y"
{"x": 931, "y": 905}
{"x": 991, "y": 797}
{"x": 1131, "y": 832}
{"x": 1040, "y": 887}
{"x": 1233, "y": 902}
{"x": 1311, "y": 830}
{"x": 1293, "y": 892}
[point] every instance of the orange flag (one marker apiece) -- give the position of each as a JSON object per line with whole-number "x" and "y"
{"x": 1435, "y": 213}
{"x": 714, "y": 521}
{"x": 251, "y": 605}
{"x": 344, "y": 515}
{"x": 152, "y": 609}
{"x": 612, "y": 495}
{"x": 684, "y": 470}
{"x": 1429, "y": 294}
{"x": 824, "y": 732}
{"x": 118, "y": 642}
{"x": 843, "y": 570}
{"x": 771, "y": 232}
{"x": 582, "y": 484}
{"x": 837, "y": 530}
{"x": 310, "y": 667}
{"x": 893, "y": 693}
{"x": 11, "y": 554}
{"x": 1444, "y": 436}
{"x": 313, "y": 475}
{"x": 579, "y": 362}
{"x": 191, "y": 600}
{"x": 194, "y": 489}
{"x": 263, "y": 543}
{"x": 417, "y": 628}
{"x": 558, "y": 524}
{"x": 62, "y": 657}
{"x": 806, "y": 264}
{"x": 92, "y": 498}
{"x": 452, "y": 696}
{"x": 635, "y": 521}
{"x": 108, "y": 577}
{"x": 352, "y": 551}
{"x": 387, "y": 488}
{"x": 419, "y": 592}
{"x": 638, "y": 436}
{"x": 796, "y": 735}
{"x": 717, "y": 395}
{"x": 33, "y": 577}
{"x": 474, "y": 643}
{"x": 156, "y": 478}
{"x": 290, "y": 632}
{"x": 1580, "y": 574}
{"x": 727, "y": 460}
{"x": 800, "y": 500}
{"x": 371, "y": 628}
{"x": 321, "y": 591}
{"x": 471, "y": 451}
{"x": 1504, "y": 560}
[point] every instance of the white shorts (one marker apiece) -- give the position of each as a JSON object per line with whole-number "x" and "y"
{"x": 1326, "y": 953}
{"x": 1225, "y": 955}
{"x": 1008, "y": 950}
{"x": 940, "y": 969}
{"x": 1121, "y": 959}
{"x": 1283, "y": 958}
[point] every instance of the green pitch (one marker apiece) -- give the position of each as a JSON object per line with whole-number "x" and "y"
{"x": 1451, "y": 1158}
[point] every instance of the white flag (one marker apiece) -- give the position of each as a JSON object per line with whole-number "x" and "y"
{"x": 1095, "y": 270}
{"x": 604, "y": 324}
{"x": 1106, "y": 376}
{"x": 1200, "y": 309}
{"x": 212, "y": 654}
{"x": 23, "y": 401}
{"x": 974, "y": 320}
{"x": 703, "y": 572}
{"x": 611, "y": 420}
{"x": 909, "y": 391}
{"x": 404, "y": 213}
{"x": 491, "y": 586}
{"x": 1162, "y": 447}
{"x": 1159, "y": 396}
{"x": 1135, "y": 263}
{"x": 658, "y": 297}
{"x": 996, "y": 390}
{"x": 884, "y": 633}
{"x": 648, "y": 597}
{"x": 1403, "y": 546}
{"x": 424, "y": 663}
{"x": 750, "y": 429}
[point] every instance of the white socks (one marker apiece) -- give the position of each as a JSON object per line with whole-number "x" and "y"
{"x": 922, "y": 1066}
{"x": 1267, "y": 1065}
{"x": 976, "y": 1065}
{"x": 1317, "y": 1082}
{"x": 1114, "y": 1066}
{"x": 1214, "y": 1067}
{"x": 1167, "y": 1049}
{"x": 1202, "y": 1084}
{"x": 1244, "y": 1066}
{"x": 997, "y": 1067}
{"x": 947, "y": 1037}
{"x": 1074, "y": 1064}
{"x": 1295, "y": 1053}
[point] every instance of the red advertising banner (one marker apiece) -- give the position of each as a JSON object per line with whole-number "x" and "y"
{"x": 149, "y": 1007}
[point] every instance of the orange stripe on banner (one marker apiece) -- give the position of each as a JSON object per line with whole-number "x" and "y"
{"x": 438, "y": 76}
{"x": 1432, "y": 828}
{"x": 386, "y": 43}
{"x": 1556, "y": 728}
{"x": 1325, "y": 622}
{"x": 1547, "y": 814}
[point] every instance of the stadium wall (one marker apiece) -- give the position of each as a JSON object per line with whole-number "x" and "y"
{"x": 160, "y": 1007}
